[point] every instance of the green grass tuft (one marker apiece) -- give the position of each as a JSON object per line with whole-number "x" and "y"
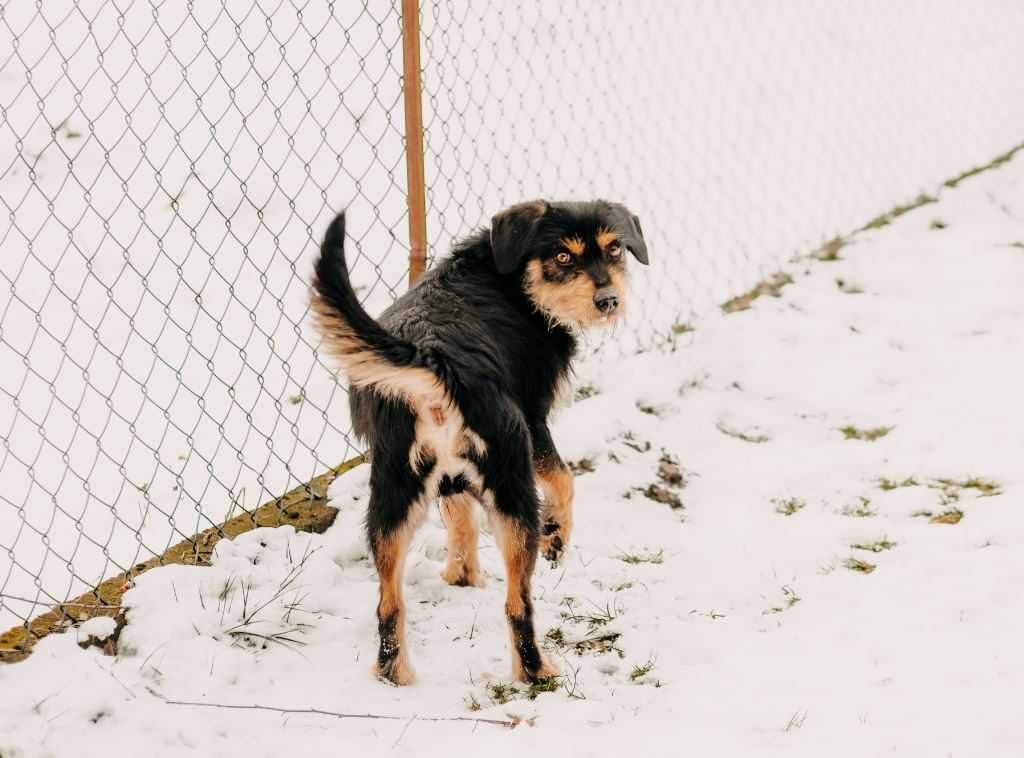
{"x": 892, "y": 484}
{"x": 829, "y": 252}
{"x": 788, "y": 506}
{"x": 994, "y": 163}
{"x": 757, "y": 439}
{"x": 861, "y": 567}
{"x": 637, "y": 558}
{"x": 771, "y": 286}
{"x": 862, "y": 509}
{"x": 887, "y": 218}
{"x": 851, "y": 432}
{"x": 641, "y": 670}
{"x": 877, "y": 546}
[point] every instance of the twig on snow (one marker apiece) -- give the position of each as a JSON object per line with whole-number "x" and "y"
{"x": 511, "y": 723}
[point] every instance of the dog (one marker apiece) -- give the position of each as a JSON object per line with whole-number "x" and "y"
{"x": 451, "y": 391}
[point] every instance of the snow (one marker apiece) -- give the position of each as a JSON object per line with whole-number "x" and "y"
{"x": 166, "y": 171}
{"x": 752, "y": 634}
{"x": 98, "y": 627}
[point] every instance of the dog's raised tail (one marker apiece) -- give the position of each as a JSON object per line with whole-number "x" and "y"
{"x": 369, "y": 354}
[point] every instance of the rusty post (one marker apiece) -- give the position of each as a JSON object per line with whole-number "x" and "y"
{"x": 412, "y": 96}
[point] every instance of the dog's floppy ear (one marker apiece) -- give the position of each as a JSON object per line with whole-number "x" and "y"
{"x": 628, "y": 226}
{"x": 512, "y": 231}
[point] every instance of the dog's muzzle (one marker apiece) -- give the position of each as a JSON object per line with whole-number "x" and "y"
{"x": 606, "y": 300}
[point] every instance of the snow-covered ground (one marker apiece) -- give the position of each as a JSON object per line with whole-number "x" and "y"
{"x": 842, "y": 577}
{"x": 166, "y": 170}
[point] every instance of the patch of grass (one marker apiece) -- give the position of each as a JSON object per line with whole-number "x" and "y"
{"x": 829, "y": 252}
{"x": 637, "y": 558}
{"x": 984, "y": 487}
{"x": 582, "y": 466}
{"x": 887, "y": 218}
{"x": 669, "y": 471}
{"x": 647, "y": 408}
{"x": 771, "y": 286}
{"x": 550, "y": 684}
{"x": 660, "y": 494}
{"x": 861, "y": 567}
{"x": 682, "y": 327}
{"x": 296, "y": 399}
{"x": 555, "y": 637}
{"x": 641, "y": 670}
{"x": 621, "y": 586}
{"x": 745, "y": 436}
{"x": 584, "y": 392}
{"x": 788, "y": 506}
{"x": 877, "y": 546}
{"x": 870, "y": 434}
{"x": 862, "y": 509}
{"x": 948, "y": 516}
{"x": 892, "y": 484}
{"x": 994, "y": 163}
{"x": 630, "y": 441}
{"x": 501, "y": 693}
{"x": 937, "y": 223}
{"x": 789, "y": 599}
{"x": 712, "y": 614}
{"x": 600, "y": 644}
{"x": 595, "y": 620}
{"x": 472, "y": 704}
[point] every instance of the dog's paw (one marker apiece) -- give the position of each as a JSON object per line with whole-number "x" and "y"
{"x": 546, "y": 670}
{"x": 553, "y": 542}
{"x": 396, "y": 671}
{"x": 460, "y": 574}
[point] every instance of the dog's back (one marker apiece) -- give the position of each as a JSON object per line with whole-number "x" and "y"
{"x": 489, "y": 335}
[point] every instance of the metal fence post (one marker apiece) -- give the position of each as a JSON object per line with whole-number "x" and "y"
{"x": 412, "y": 95}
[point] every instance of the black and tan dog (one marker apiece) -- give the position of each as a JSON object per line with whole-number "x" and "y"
{"x": 451, "y": 390}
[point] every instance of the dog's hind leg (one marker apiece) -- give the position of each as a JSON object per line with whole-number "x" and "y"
{"x": 557, "y": 483}
{"x": 462, "y": 569}
{"x": 511, "y": 490}
{"x": 518, "y": 543}
{"x": 395, "y": 511}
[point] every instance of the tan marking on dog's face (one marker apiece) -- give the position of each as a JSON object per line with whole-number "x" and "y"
{"x": 570, "y": 302}
{"x": 574, "y": 245}
{"x": 606, "y": 237}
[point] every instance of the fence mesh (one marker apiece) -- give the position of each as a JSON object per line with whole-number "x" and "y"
{"x": 166, "y": 171}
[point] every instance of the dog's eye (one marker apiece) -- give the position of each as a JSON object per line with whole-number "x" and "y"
{"x": 614, "y": 250}
{"x": 563, "y": 259}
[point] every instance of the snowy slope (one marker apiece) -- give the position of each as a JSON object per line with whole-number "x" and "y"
{"x": 815, "y": 594}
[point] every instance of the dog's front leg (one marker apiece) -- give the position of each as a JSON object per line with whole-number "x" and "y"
{"x": 556, "y": 482}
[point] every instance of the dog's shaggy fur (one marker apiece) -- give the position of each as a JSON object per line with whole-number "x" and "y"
{"x": 451, "y": 390}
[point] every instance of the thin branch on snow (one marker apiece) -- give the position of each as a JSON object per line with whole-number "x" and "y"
{"x": 511, "y": 723}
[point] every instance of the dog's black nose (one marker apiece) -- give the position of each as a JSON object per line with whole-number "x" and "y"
{"x": 606, "y": 300}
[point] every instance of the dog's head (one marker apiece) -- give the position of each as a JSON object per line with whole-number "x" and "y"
{"x": 572, "y": 257}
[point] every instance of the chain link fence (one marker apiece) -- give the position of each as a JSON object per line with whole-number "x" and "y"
{"x": 166, "y": 170}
